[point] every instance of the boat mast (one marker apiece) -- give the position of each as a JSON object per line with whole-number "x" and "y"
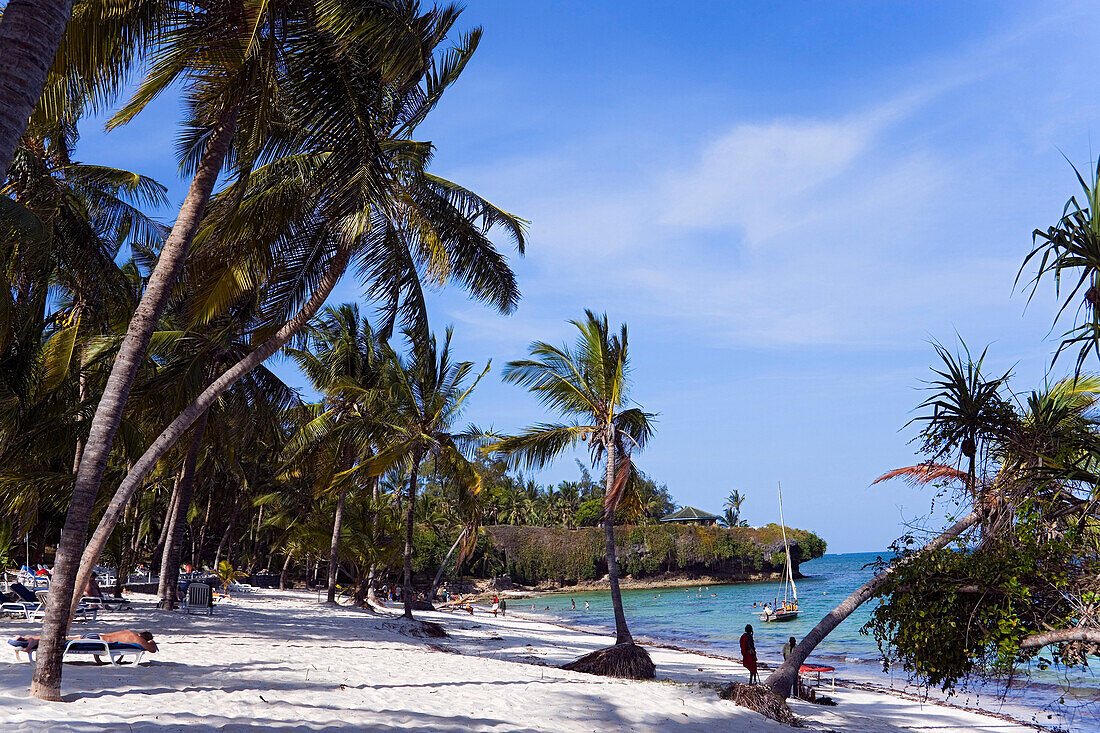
{"x": 786, "y": 550}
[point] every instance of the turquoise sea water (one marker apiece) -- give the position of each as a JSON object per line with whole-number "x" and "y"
{"x": 713, "y": 618}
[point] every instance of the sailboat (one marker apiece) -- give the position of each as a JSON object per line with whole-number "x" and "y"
{"x": 788, "y": 608}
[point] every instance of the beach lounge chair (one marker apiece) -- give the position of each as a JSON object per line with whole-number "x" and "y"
{"x": 14, "y": 608}
{"x": 23, "y": 602}
{"x": 200, "y": 597}
{"x": 106, "y": 603}
{"x": 82, "y": 610}
{"x": 89, "y": 645}
{"x": 25, "y": 594}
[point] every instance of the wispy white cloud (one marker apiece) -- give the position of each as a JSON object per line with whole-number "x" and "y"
{"x": 828, "y": 230}
{"x": 756, "y": 177}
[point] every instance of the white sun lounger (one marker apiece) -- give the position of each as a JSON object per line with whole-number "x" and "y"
{"x": 200, "y": 597}
{"x": 90, "y": 645}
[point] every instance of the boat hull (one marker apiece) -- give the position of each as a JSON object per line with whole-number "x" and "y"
{"x": 779, "y": 616}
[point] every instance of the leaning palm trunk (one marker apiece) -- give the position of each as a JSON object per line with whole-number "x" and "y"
{"x": 781, "y": 680}
{"x": 406, "y": 591}
{"x": 46, "y": 680}
{"x": 286, "y": 569}
{"x": 443, "y": 565}
{"x": 173, "y": 500}
{"x": 334, "y": 548}
{"x": 177, "y": 516}
{"x": 204, "y": 401}
{"x": 30, "y": 34}
{"x": 622, "y": 633}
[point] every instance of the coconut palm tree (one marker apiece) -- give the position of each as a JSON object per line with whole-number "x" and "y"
{"x": 587, "y": 384}
{"x": 344, "y": 362}
{"x": 303, "y": 218}
{"x": 466, "y": 507}
{"x": 258, "y": 400}
{"x": 427, "y": 395}
{"x": 59, "y": 235}
{"x": 229, "y": 55}
{"x": 732, "y": 514}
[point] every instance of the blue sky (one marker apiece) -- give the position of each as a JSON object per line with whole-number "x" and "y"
{"x": 784, "y": 201}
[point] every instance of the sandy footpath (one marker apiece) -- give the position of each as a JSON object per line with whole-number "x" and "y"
{"x": 281, "y": 660}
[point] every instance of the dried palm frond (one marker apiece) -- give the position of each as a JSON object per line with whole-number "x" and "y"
{"x": 924, "y": 473}
{"x": 624, "y": 469}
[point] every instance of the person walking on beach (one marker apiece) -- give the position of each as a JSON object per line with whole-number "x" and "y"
{"x": 503, "y": 606}
{"x": 799, "y": 688}
{"x": 788, "y": 648}
{"x": 748, "y": 654}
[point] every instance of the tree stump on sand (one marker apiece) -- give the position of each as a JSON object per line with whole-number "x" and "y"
{"x": 621, "y": 660}
{"x": 762, "y": 700}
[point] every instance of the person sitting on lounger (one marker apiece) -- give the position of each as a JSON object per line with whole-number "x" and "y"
{"x": 125, "y": 636}
{"x": 92, "y": 589}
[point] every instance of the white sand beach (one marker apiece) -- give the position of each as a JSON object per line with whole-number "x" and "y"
{"x": 282, "y": 660}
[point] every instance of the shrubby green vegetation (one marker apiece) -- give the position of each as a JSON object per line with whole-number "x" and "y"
{"x": 1016, "y": 571}
{"x": 533, "y": 555}
{"x": 969, "y": 610}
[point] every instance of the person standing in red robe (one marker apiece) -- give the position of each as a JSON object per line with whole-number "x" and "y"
{"x": 748, "y": 654}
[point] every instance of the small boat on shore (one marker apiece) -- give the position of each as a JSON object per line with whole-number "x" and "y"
{"x": 787, "y": 609}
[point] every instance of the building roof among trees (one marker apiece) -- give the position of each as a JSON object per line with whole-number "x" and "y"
{"x": 689, "y": 514}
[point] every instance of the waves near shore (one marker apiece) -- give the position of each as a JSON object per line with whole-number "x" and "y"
{"x": 711, "y": 618}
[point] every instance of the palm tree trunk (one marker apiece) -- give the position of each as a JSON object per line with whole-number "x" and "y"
{"x": 46, "y": 680}
{"x": 443, "y": 565}
{"x": 30, "y": 34}
{"x": 782, "y": 679}
{"x": 622, "y": 633}
{"x": 82, "y": 394}
{"x": 173, "y": 543}
{"x": 228, "y": 533}
{"x": 173, "y": 500}
{"x": 406, "y": 591}
{"x": 286, "y": 568}
{"x": 346, "y": 461}
{"x": 334, "y": 547}
{"x": 200, "y": 543}
{"x": 372, "y": 574}
{"x": 218, "y": 387}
